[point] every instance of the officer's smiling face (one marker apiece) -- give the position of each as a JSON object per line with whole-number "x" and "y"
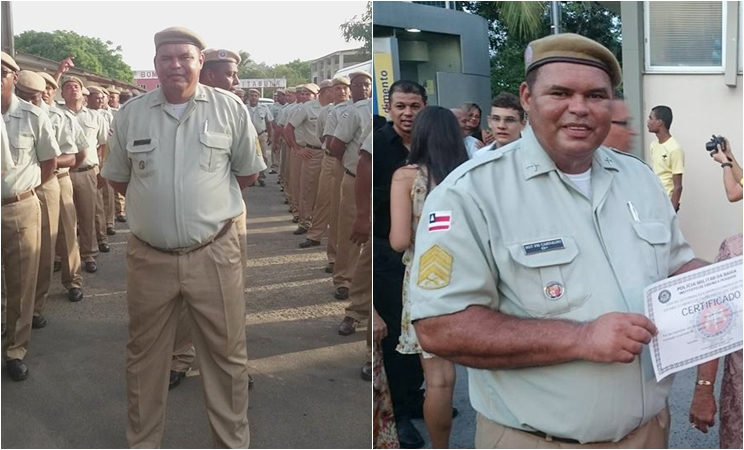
{"x": 570, "y": 110}
{"x": 178, "y": 66}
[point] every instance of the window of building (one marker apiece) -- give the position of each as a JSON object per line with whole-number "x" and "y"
{"x": 143, "y": 86}
{"x": 685, "y": 37}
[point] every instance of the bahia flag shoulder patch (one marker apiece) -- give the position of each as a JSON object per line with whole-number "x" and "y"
{"x": 435, "y": 268}
{"x": 439, "y": 221}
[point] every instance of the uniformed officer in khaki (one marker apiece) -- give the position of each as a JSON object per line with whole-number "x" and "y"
{"x": 261, "y": 117}
{"x": 295, "y": 158}
{"x": 85, "y": 176}
{"x": 347, "y": 137}
{"x": 275, "y": 108}
{"x": 304, "y": 123}
{"x": 325, "y": 211}
{"x": 184, "y": 247}
{"x": 97, "y": 100}
{"x": 281, "y": 120}
{"x": 72, "y": 144}
{"x": 119, "y": 200}
{"x": 33, "y": 150}
{"x": 548, "y": 314}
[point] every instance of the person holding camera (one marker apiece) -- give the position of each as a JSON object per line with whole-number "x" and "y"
{"x": 703, "y": 406}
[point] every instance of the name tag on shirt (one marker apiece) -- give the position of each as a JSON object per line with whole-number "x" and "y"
{"x": 544, "y": 246}
{"x": 142, "y": 142}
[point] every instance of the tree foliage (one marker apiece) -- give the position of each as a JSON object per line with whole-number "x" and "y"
{"x": 89, "y": 53}
{"x": 360, "y": 30}
{"x": 511, "y": 31}
{"x": 296, "y": 72}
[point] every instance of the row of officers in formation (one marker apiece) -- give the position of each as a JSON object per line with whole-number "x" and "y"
{"x": 62, "y": 190}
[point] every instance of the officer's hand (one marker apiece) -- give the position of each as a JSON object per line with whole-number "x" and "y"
{"x": 101, "y": 182}
{"x": 361, "y": 230}
{"x": 306, "y": 154}
{"x": 65, "y": 65}
{"x": 616, "y": 337}
{"x": 703, "y": 408}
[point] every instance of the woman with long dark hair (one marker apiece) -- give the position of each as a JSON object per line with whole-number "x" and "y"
{"x": 437, "y": 148}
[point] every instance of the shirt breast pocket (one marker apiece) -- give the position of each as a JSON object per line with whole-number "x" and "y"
{"x": 22, "y": 147}
{"x": 142, "y": 156}
{"x": 215, "y": 151}
{"x": 655, "y": 238}
{"x": 547, "y": 284}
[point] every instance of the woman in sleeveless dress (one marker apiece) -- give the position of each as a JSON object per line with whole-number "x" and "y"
{"x": 437, "y": 148}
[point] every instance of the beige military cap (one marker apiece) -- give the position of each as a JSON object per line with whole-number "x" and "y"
{"x": 96, "y": 89}
{"x": 86, "y": 91}
{"x": 571, "y": 48}
{"x": 281, "y": 91}
{"x": 254, "y": 90}
{"x": 325, "y": 84}
{"x": 341, "y": 80}
{"x": 104, "y": 90}
{"x": 312, "y": 87}
{"x": 220, "y": 54}
{"x": 291, "y": 90}
{"x": 114, "y": 90}
{"x": 10, "y": 62}
{"x": 178, "y": 35}
{"x": 72, "y": 78}
{"x": 239, "y": 91}
{"x": 48, "y": 79}
{"x": 29, "y": 81}
{"x": 361, "y": 73}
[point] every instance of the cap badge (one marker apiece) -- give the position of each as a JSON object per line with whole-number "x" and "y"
{"x": 528, "y": 56}
{"x": 222, "y": 54}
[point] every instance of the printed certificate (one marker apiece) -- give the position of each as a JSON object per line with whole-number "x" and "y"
{"x": 698, "y": 314}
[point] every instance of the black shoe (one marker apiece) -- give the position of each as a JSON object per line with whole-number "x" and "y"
{"x": 299, "y": 231}
{"x": 295, "y": 219}
{"x": 408, "y": 435}
{"x": 121, "y": 218}
{"x": 17, "y": 369}
{"x": 348, "y": 326}
{"x": 57, "y": 266}
{"x": 104, "y": 247}
{"x": 272, "y": 172}
{"x": 342, "y": 293}
{"x": 250, "y": 382}
{"x": 75, "y": 294}
{"x": 175, "y": 379}
{"x": 38, "y": 321}
{"x": 309, "y": 243}
{"x": 261, "y": 183}
{"x": 91, "y": 266}
{"x": 329, "y": 268}
{"x": 367, "y": 371}
{"x": 286, "y": 202}
{"x": 110, "y": 231}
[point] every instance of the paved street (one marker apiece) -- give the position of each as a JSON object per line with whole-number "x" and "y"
{"x": 681, "y": 435}
{"x": 308, "y": 392}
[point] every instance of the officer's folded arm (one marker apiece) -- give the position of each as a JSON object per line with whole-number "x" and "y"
{"x": 245, "y": 181}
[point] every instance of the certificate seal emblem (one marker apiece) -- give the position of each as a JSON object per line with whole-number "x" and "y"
{"x": 715, "y": 320}
{"x": 553, "y": 290}
{"x": 664, "y": 296}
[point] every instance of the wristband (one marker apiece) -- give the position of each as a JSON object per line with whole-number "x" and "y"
{"x": 703, "y": 383}
{"x": 727, "y": 164}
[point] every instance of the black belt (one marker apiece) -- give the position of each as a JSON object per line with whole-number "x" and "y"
{"x": 84, "y": 169}
{"x": 314, "y": 147}
{"x": 349, "y": 173}
{"x": 63, "y": 174}
{"x": 18, "y": 197}
{"x": 549, "y": 437}
{"x": 186, "y": 250}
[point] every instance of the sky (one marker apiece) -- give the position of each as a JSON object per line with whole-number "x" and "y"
{"x": 275, "y": 32}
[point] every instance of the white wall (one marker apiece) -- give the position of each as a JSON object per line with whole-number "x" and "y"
{"x": 702, "y": 105}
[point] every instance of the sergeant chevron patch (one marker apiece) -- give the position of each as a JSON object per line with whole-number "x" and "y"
{"x": 435, "y": 268}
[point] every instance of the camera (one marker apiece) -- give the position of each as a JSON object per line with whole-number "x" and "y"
{"x": 711, "y": 145}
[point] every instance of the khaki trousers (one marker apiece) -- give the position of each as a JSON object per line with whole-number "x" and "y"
{"x": 284, "y": 169}
{"x": 101, "y": 236}
{"x": 275, "y": 154}
{"x": 21, "y": 245}
{"x": 360, "y": 292}
{"x": 183, "y": 349}
{"x": 310, "y": 175}
{"x": 322, "y": 206}
{"x": 208, "y": 283}
{"x": 295, "y": 175}
{"x": 67, "y": 241}
{"x": 489, "y": 434}
{"x": 119, "y": 203}
{"x": 263, "y": 140}
{"x": 85, "y": 196}
{"x": 338, "y": 176}
{"x": 347, "y": 253}
{"x": 49, "y": 197}
{"x": 109, "y": 199}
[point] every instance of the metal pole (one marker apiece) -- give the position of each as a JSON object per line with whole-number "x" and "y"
{"x": 6, "y": 13}
{"x": 555, "y": 15}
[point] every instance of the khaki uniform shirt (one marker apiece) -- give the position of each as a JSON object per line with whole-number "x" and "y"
{"x": 181, "y": 173}
{"x": 321, "y": 123}
{"x": 333, "y": 115}
{"x": 284, "y": 115}
{"x": 259, "y": 114}
{"x": 95, "y": 130}
{"x": 353, "y": 126}
{"x": 275, "y": 109}
{"x": 510, "y": 232}
{"x": 7, "y": 156}
{"x": 31, "y": 140}
{"x": 304, "y": 120}
{"x": 63, "y": 129}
